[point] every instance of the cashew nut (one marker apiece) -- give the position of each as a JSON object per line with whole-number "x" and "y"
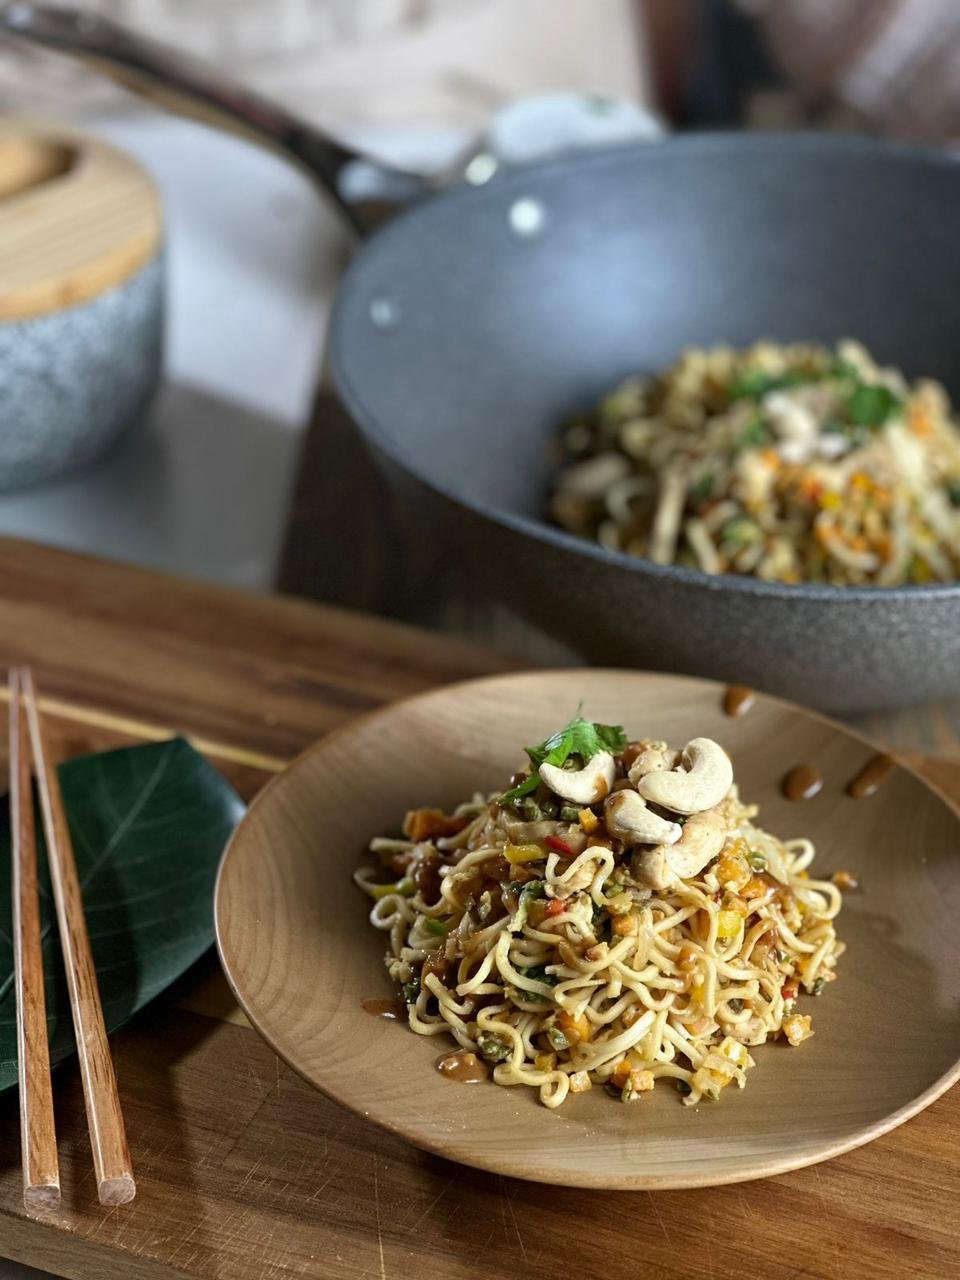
{"x": 700, "y": 781}
{"x": 654, "y": 758}
{"x": 702, "y": 839}
{"x": 582, "y": 786}
{"x": 629, "y": 819}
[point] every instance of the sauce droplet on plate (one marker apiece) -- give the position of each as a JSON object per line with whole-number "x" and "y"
{"x": 877, "y": 769}
{"x": 802, "y": 783}
{"x": 463, "y": 1066}
{"x": 738, "y": 700}
{"x": 385, "y": 1007}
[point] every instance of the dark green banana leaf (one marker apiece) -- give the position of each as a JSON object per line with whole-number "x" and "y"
{"x": 148, "y": 825}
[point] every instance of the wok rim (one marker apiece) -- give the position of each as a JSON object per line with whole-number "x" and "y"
{"x": 800, "y": 142}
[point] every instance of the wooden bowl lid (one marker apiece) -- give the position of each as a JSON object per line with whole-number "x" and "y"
{"x": 77, "y": 217}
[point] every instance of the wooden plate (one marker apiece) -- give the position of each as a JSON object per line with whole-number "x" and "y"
{"x": 300, "y": 955}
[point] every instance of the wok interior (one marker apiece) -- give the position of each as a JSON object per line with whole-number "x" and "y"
{"x": 497, "y": 335}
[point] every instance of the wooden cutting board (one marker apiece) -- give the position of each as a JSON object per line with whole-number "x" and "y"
{"x": 246, "y": 1173}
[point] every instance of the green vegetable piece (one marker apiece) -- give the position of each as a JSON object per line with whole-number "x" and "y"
{"x": 411, "y": 990}
{"x": 843, "y": 369}
{"x": 569, "y": 813}
{"x": 558, "y": 1040}
{"x": 579, "y": 738}
{"x": 818, "y": 986}
{"x": 872, "y": 406}
{"x": 953, "y": 491}
{"x": 492, "y": 1048}
{"x": 702, "y": 488}
{"x": 739, "y": 532}
{"x": 537, "y": 973}
{"x": 755, "y": 434}
{"x": 437, "y": 927}
{"x": 756, "y": 859}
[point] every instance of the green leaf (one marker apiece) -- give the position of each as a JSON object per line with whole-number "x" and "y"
{"x": 755, "y": 434}
{"x": 580, "y": 737}
{"x": 149, "y": 824}
{"x": 755, "y": 385}
{"x": 871, "y": 406}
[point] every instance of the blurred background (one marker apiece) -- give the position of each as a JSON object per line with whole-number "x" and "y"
{"x": 242, "y": 469}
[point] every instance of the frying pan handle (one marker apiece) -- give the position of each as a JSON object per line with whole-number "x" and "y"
{"x": 189, "y": 87}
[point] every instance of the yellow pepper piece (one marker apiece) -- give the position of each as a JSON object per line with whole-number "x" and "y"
{"x": 588, "y": 820}
{"x": 728, "y": 924}
{"x": 517, "y": 853}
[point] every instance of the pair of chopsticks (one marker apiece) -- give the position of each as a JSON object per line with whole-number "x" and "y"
{"x": 108, "y": 1139}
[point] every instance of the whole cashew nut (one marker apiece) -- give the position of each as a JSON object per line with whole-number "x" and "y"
{"x": 628, "y": 819}
{"x": 700, "y": 781}
{"x": 703, "y": 837}
{"x": 582, "y": 786}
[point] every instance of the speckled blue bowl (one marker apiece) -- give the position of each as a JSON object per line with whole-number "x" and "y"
{"x": 73, "y": 380}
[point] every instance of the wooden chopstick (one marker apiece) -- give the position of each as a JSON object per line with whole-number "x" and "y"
{"x": 108, "y": 1138}
{"x": 38, "y": 1137}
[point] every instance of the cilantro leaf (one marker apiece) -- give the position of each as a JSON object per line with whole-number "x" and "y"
{"x": 755, "y": 385}
{"x": 871, "y": 406}
{"x": 583, "y": 738}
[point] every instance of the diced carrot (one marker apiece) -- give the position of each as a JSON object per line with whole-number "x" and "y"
{"x": 621, "y": 1074}
{"x": 623, "y": 926}
{"x": 754, "y": 888}
{"x": 844, "y": 880}
{"x": 431, "y": 824}
{"x": 575, "y": 1029}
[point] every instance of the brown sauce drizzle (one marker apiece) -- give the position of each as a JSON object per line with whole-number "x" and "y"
{"x": 391, "y": 1007}
{"x": 463, "y": 1066}
{"x": 877, "y": 769}
{"x": 738, "y": 700}
{"x": 801, "y": 783}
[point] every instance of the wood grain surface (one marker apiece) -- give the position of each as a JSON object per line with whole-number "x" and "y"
{"x": 77, "y": 217}
{"x": 108, "y": 1136}
{"x": 290, "y": 920}
{"x": 38, "y": 1137}
{"x": 247, "y": 1173}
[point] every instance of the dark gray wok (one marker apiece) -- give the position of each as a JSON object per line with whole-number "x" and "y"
{"x": 468, "y": 327}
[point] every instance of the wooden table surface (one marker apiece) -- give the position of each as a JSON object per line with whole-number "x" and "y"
{"x": 244, "y": 1172}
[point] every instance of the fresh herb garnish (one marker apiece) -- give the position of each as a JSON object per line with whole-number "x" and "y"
{"x": 411, "y": 991}
{"x": 755, "y": 433}
{"x": 871, "y": 406}
{"x": 580, "y": 737}
{"x": 536, "y": 973}
{"x": 953, "y": 491}
{"x": 437, "y": 927}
